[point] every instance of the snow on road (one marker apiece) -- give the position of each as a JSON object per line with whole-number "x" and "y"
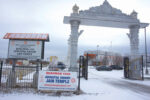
{"x": 101, "y": 85}
{"x": 112, "y": 85}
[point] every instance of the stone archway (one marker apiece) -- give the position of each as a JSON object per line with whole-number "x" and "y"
{"x": 107, "y": 16}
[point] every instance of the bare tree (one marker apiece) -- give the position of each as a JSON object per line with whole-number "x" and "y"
{"x": 117, "y": 59}
{"x": 105, "y": 60}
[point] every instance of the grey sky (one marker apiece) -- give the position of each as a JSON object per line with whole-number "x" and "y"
{"x": 46, "y": 16}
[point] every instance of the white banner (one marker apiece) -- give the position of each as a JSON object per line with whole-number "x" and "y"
{"x": 58, "y": 81}
{"x": 25, "y": 49}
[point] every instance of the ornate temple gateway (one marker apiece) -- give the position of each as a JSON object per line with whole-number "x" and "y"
{"x": 107, "y": 16}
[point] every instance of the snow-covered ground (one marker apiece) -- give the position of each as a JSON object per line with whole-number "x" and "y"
{"x": 117, "y": 75}
{"x": 101, "y": 85}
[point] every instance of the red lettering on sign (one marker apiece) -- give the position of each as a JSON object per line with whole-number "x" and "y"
{"x": 66, "y": 73}
{"x": 54, "y": 73}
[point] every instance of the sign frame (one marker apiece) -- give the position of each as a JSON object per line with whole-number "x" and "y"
{"x": 57, "y": 81}
{"x": 41, "y": 49}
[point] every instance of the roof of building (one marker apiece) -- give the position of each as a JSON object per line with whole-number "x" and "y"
{"x": 27, "y": 36}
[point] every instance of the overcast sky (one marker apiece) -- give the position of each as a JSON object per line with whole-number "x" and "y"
{"x": 46, "y": 16}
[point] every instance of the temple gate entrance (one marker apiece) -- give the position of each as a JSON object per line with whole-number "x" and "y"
{"x": 107, "y": 16}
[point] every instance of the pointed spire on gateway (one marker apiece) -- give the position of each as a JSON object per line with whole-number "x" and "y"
{"x": 75, "y": 9}
{"x": 134, "y": 14}
{"x": 106, "y": 2}
{"x": 106, "y": 7}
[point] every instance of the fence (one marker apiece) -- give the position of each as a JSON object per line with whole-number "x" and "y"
{"x": 18, "y": 77}
{"x": 139, "y": 66}
{"x": 148, "y": 61}
{"x": 147, "y": 67}
{"x": 133, "y": 67}
{"x": 23, "y": 76}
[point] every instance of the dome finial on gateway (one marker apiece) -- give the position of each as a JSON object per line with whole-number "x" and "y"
{"x": 75, "y": 9}
{"x": 106, "y": 3}
{"x": 134, "y": 14}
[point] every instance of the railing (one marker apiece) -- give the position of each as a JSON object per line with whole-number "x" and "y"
{"x": 21, "y": 77}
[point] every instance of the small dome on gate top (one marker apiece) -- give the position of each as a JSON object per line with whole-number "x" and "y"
{"x": 105, "y": 2}
{"x": 134, "y": 14}
{"x": 75, "y": 9}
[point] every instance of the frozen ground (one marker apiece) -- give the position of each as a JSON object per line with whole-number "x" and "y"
{"x": 101, "y": 85}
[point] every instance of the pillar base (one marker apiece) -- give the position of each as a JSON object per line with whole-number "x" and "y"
{"x": 35, "y": 80}
{"x": 11, "y": 80}
{"x": 135, "y": 75}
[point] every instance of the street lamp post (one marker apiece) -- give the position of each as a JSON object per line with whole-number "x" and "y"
{"x": 146, "y": 71}
{"x": 97, "y": 55}
{"x": 111, "y": 53}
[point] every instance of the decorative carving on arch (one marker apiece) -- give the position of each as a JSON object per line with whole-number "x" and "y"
{"x": 104, "y": 9}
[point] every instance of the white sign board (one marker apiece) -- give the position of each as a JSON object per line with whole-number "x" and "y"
{"x": 25, "y": 49}
{"x": 58, "y": 81}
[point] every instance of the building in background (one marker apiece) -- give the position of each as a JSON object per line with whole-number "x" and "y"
{"x": 98, "y": 57}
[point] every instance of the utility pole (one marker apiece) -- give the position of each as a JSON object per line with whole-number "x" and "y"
{"x": 110, "y": 46}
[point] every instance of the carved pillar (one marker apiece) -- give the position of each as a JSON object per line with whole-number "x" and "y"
{"x": 134, "y": 39}
{"x": 135, "y": 70}
{"x": 73, "y": 45}
{"x": 68, "y": 55}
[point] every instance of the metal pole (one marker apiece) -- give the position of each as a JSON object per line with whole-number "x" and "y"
{"x": 41, "y": 65}
{"x": 142, "y": 68}
{"x": 79, "y": 79}
{"x": 80, "y": 65}
{"x": 111, "y": 53}
{"x": 146, "y": 71}
{"x": 97, "y": 56}
{"x": 1, "y": 65}
{"x": 13, "y": 64}
{"x": 87, "y": 67}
